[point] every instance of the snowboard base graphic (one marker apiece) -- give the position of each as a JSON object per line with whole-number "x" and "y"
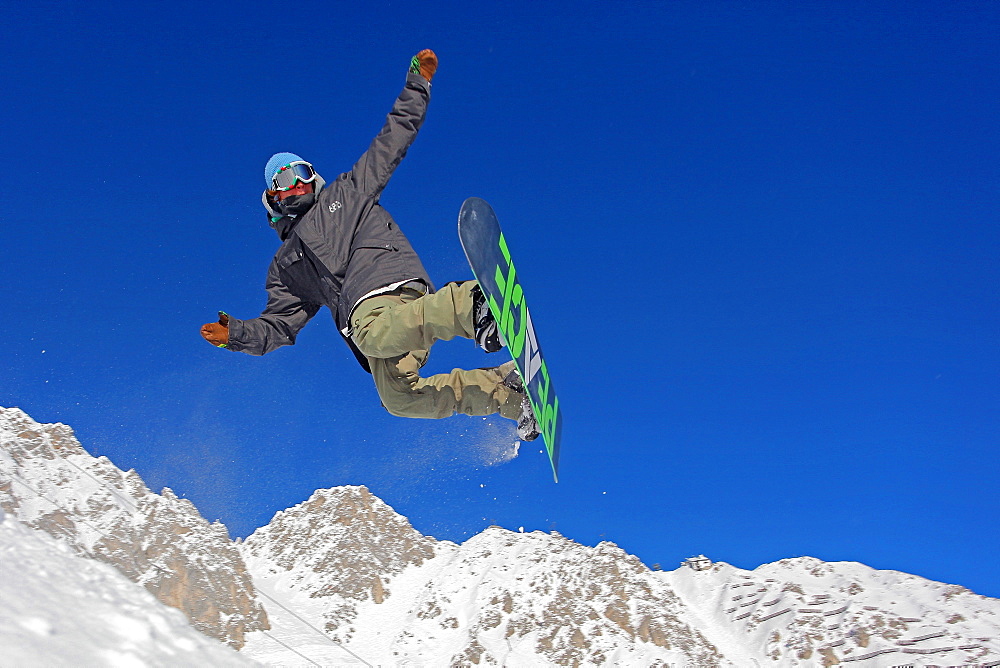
{"x": 489, "y": 256}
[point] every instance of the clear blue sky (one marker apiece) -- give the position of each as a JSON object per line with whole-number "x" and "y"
{"x": 759, "y": 241}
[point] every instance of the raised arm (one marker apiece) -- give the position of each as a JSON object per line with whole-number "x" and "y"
{"x": 372, "y": 171}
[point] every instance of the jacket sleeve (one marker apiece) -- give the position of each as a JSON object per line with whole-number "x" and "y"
{"x": 283, "y": 317}
{"x": 372, "y": 171}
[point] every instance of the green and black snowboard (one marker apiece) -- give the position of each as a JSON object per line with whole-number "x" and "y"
{"x": 489, "y": 257}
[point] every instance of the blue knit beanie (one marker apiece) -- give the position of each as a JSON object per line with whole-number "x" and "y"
{"x": 277, "y": 161}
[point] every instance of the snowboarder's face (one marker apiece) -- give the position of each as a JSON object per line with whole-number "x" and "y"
{"x": 299, "y": 189}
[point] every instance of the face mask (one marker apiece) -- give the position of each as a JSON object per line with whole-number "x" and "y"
{"x": 296, "y": 205}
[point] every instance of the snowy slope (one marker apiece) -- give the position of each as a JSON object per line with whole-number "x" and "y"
{"x": 60, "y": 609}
{"x": 49, "y": 482}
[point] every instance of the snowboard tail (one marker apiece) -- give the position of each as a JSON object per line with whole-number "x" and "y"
{"x": 489, "y": 256}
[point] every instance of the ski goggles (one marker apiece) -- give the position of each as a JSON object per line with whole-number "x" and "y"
{"x": 288, "y": 176}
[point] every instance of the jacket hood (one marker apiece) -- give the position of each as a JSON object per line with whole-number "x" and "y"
{"x": 282, "y": 225}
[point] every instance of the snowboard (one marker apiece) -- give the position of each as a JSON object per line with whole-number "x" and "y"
{"x": 489, "y": 256}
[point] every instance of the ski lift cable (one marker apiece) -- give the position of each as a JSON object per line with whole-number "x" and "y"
{"x": 132, "y": 557}
{"x": 293, "y": 614}
{"x": 291, "y": 650}
{"x": 114, "y": 492}
{"x": 165, "y": 572}
{"x": 138, "y": 570}
{"x": 39, "y": 494}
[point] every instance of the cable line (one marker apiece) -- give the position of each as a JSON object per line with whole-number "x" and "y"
{"x": 291, "y": 650}
{"x": 163, "y": 571}
{"x": 114, "y": 492}
{"x": 262, "y": 593}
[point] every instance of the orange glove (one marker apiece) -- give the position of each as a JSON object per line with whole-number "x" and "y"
{"x": 425, "y": 64}
{"x": 217, "y": 333}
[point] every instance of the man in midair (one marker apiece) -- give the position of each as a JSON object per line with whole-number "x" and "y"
{"x": 342, "y": 250}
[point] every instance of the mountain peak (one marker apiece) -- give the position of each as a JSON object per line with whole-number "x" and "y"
{"x": 341, "y": 545}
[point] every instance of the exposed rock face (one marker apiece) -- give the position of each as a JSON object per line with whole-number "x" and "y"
{"x": 544, "y": 595}
{"x": 349, "y": 536}
{"x": 48, "y": 481}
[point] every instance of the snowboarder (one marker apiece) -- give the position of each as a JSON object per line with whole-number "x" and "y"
{"x": 342, "y": 250}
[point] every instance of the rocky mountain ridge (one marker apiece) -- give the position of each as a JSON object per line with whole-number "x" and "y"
{"x": 344, "y": 579}
{"x": 508, "y": 598}
{"x": 49, "y": 482}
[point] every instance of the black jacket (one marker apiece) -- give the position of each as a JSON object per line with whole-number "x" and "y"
{"x": 346, "y": 247}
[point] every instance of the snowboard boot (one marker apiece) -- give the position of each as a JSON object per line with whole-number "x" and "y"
{"x": 487, "y": 333}
{"x": 527, "y": 425}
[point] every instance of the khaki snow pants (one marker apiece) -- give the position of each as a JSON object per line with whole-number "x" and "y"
{"x": 395, "y": 331}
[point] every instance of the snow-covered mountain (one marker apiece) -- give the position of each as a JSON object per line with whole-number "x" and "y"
{"x": 49, "y": 482}
{"x": 345, "y": 580}
{"x": 809, "y": 612}
{"x": 388, "y": 595}
{"x": 498, "y": 598}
